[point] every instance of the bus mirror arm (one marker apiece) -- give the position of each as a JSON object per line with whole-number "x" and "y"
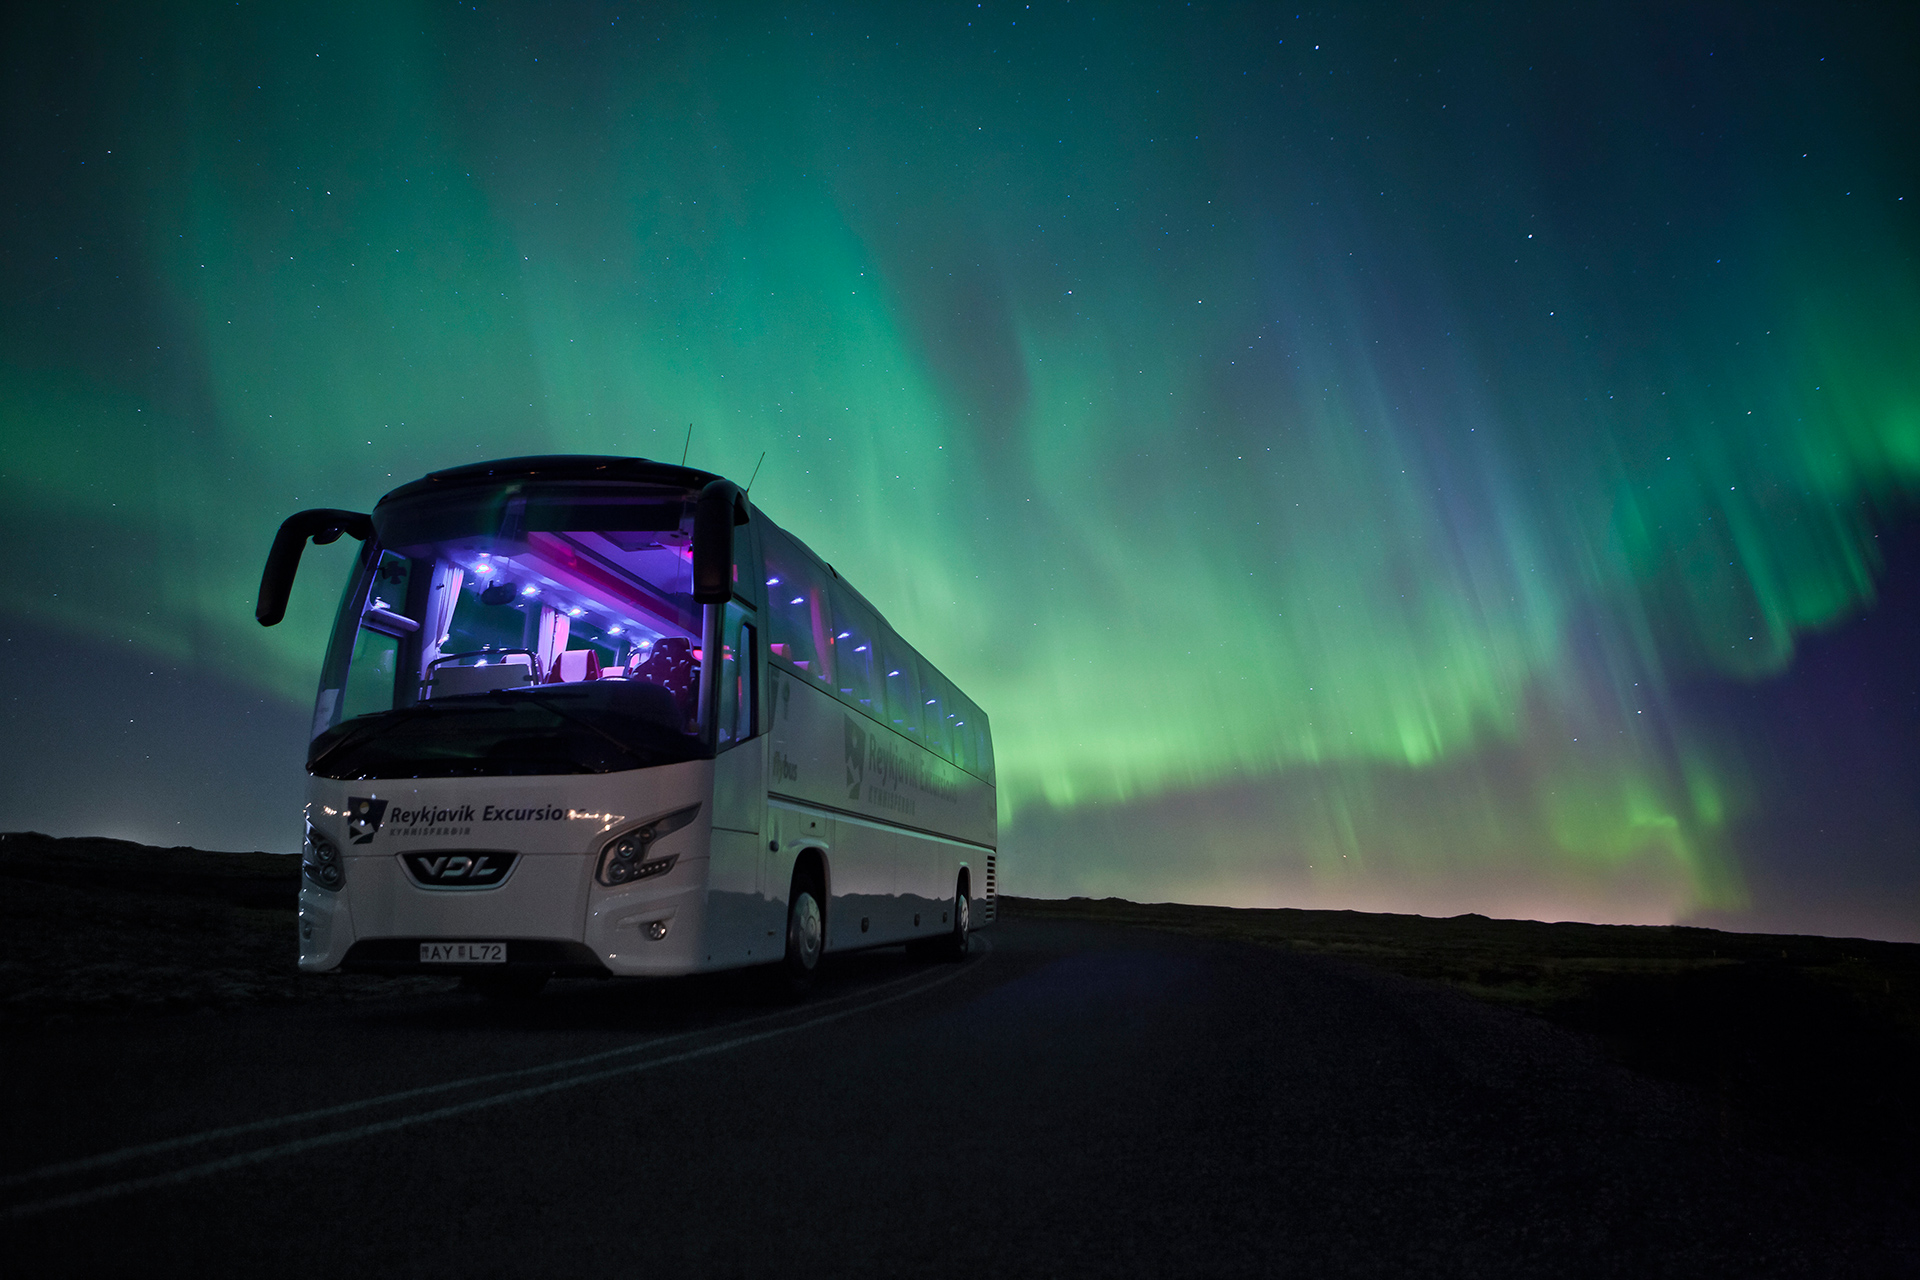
{"x": 322, "y": 526}
{"x": 720, "y": 507}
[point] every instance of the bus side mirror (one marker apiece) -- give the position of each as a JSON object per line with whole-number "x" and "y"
{"x": 719, "y": 508}
{"x": 323, "y": 526}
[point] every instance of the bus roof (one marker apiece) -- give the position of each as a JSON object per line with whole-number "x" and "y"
{"x": 558, "y": 466}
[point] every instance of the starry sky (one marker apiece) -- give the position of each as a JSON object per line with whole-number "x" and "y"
{"x": 1393, "y": 460}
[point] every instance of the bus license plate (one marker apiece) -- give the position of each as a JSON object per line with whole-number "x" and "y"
{"x": 463, "y": 953}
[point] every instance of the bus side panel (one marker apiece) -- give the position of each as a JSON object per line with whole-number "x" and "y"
{"x": 737, "y": 931}
{"x": 930, "y": 872}
{"x": 744, "y": 925}
{"x": 860, "y": 870}
{"x": 913, "y": 879}
{"x": 826, "y": 753}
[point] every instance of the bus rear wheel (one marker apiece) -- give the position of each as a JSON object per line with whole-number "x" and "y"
{"x": 960, "y": 941}
{"x": 954, "y": 944}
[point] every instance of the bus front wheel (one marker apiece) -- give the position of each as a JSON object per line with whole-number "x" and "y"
{"x": 805, "y": 935}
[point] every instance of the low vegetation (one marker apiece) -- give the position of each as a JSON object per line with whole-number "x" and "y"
{"x": 98, "y": 926}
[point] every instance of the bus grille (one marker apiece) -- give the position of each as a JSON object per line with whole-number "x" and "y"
{"x": 988, "y": 902}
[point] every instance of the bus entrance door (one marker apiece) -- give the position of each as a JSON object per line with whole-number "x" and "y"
{"x": 742, "y": 913}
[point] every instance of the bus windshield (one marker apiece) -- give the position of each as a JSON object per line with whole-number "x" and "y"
{"x": 517, "y": 628}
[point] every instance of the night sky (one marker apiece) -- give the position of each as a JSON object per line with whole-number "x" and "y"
{"x": 1372, "y": 459}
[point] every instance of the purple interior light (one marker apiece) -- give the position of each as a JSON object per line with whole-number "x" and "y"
{"x": 773, "y": 582}
{"x": 860, "y": 649}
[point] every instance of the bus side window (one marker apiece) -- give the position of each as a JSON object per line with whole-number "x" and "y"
{"x": 985, "y": 748}
{"x": 902, "y": 682}
{"x": 934, "y": 698}
{"x": 960, "y": 711}
{"x": 854, "y": 657}
{"x": 977, "y": 740}
{"x": 801, "y": 615}
{"x": 954, "y": 707}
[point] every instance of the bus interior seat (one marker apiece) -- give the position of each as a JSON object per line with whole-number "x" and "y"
{"x": 671, "y": 666}
{"x": 574, "y": 666}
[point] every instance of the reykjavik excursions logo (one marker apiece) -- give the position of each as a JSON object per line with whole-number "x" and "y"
{"x": 365, "y": 816}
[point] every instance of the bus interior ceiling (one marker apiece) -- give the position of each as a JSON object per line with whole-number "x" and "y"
{"x": 574, "y": 593}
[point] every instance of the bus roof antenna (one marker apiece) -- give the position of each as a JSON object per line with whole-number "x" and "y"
{"x": 687, "y": 446}
{"x": 756, "y": 471}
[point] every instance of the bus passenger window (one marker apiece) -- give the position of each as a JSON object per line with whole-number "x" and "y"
{"x": 802, "y": 615}
{"x": 854, "y": 658}
{"x": 966, "y": 732}
{"x": 902, "y": 682}
{"x": 933, "y": 711}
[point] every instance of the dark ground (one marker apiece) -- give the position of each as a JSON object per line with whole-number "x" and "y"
{"x": 1802, "y": 1043}
{"x": 1110, "y": 1089}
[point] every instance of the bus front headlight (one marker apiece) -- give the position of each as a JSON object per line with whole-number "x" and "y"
{"x": 629, "y": 857}
{"x": 321, "y": 861}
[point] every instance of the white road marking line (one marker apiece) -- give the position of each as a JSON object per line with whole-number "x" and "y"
{"x": 322, "y": 1113}
{"x": 263, "y": 1154}
{"x": 300, "y": 1117}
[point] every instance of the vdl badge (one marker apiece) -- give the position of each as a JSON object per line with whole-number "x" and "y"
{"x": 459, "y": 870}
{"x": 463, "y": 953}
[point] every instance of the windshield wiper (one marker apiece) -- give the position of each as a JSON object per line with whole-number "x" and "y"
{"x": 511, "y": 695}
{"x": 381, "y": 723}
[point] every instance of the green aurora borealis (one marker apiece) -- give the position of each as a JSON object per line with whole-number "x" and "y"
{"x": 1324, "y": 445}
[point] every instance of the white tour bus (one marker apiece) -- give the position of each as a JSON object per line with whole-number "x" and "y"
{"x": 598, "y": 716}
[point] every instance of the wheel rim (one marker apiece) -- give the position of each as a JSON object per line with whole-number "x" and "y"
{"x": 962, "y": 923}
{"x": 803, "y": 931}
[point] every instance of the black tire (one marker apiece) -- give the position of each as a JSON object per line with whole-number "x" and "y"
{"x": 955, "y": 943}
{"x": 960, "y": 941}
{"x": 806, "y": 939}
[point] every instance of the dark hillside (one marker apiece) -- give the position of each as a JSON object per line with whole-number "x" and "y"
{"x": 105, "y": 926}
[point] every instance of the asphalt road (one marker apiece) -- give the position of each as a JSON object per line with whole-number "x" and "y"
{"x": 1073, "y": 1100}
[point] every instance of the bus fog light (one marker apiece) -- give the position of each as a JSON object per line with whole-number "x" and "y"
{"x": 656, "y": 930}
